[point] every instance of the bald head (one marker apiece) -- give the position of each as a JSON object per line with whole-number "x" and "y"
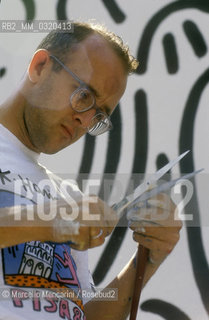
{"x": 60, "y": 43}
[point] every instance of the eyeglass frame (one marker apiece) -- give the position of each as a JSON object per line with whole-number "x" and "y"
{"x": 84, "y": 85}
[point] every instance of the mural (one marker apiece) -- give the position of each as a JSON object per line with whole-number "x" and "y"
{"x": 170, "y": 39}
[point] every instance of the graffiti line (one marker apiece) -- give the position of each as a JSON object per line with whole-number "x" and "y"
{"x": 30, "y": 9}
{"x": 195, "y": 38}
{"x": 114, "y": 10}
{"x": 164, "y": 309}
{"x": 2, "y": 72}
{"x": 87, "y": 158}
{"x": 113, "y": 151}
{"x": 170, "y": 53}
{"x": 198, "y": 257}
{"x": 61, "y": 10}
{"x": 153, "y": 24}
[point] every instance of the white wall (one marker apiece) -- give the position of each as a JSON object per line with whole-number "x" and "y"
{"x": 166, "y": 99}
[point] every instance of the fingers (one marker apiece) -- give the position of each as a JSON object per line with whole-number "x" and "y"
{"x": 95, "y": 212}
{"x": 98, "y": 235}
{"x": 154, "y": 245}
{"x": 157, "y": 211}
{"x": 161, "y": 233}
{"x": 152, "y": 225}
{"x": 109, "y": 217}
{"x": 160, "y": 239}
{"x": 96, "y": 232}
{"x": 95, "y": 220}
{"x": 89, "y": 237}
{"x": 155, "y": 227}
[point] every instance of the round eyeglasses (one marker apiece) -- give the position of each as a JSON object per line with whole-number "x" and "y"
{"x": 82, "y": 100}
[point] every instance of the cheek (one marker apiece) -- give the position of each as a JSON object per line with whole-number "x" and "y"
{"x": 50, "y": 94}
{"x": 59, "y": 99}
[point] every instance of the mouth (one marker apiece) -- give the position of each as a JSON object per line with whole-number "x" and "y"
{"x": 68, "y": 132}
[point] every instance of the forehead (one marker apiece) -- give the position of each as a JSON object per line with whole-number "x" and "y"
{"x": 94, "y": 46}
{"x": 95, "y": 62}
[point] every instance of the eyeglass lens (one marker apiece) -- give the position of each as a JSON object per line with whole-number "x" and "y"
{"x": 99, "y": 124}
{"x": 82, "y": 100}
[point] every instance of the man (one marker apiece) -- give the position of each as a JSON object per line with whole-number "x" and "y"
{"x": 72, "y": 86}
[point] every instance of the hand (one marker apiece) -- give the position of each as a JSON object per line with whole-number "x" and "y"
{"x": 93, "y": 220}
{"x": 155, "y": 228}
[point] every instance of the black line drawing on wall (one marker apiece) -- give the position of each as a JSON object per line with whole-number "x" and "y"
{"x": 199, "y": 48}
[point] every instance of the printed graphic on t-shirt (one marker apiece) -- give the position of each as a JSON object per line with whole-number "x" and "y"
{"x": 25, "y": 187}
{"x": 41, "y": 265}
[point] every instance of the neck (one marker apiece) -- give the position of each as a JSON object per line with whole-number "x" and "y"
{"x": 12, "y": 117}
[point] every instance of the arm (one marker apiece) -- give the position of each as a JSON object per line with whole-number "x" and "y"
{"x": 159, "y": 238}
{"x": 56, "y": 221}
{"x": 14, "y": 230}
{"x": 124, "y": 282}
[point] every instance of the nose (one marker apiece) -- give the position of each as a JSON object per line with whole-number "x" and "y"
{"x": 84, "y": 118}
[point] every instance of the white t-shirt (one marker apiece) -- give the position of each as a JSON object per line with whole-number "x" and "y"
{"x": 29, "y": 271}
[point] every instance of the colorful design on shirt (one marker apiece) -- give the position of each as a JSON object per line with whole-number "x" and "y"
{"x": 64, "y": 308}
{"x": 35, "y": 264}
{"x": 40, "y": 265}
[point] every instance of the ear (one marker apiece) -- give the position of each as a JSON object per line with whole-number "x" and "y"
{"x": 39, "y": 65}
